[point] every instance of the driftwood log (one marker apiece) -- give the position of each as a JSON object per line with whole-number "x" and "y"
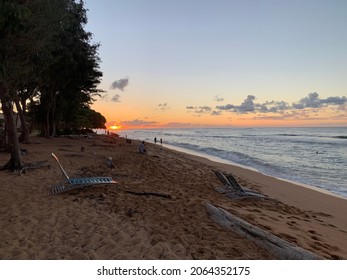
{"x": 276, "y": 246}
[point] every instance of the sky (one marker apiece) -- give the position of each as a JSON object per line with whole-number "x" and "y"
{"x": 204, "y": 63}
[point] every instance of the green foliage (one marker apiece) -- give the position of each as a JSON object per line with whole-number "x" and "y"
{"x": 46, "y": 52}
{"x": 88, "y": 118}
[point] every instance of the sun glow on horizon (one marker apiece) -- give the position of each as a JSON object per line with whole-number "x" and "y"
{"x": 115, "y": 127}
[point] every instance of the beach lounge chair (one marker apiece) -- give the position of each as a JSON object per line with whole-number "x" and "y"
{"x": 233, "y": 189}
{"x": 74, "y": 183}
{"x": 229, "y": 181}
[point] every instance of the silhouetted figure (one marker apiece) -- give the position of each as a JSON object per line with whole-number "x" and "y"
{"x": 142, "y": 148}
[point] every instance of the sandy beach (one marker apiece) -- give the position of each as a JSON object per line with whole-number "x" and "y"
{"x": 120, "y": 222}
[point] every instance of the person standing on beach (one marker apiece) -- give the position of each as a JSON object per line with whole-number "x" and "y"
{"x": 161, "y": 141}
{"x": 155, "y": 140}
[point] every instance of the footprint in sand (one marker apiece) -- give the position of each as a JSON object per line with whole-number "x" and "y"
{"x": 315, "y": 238}
{"x": 294, "y": 217}
{"x": 289, "y": 237}
{"x": 267, "y": 228}
{"x": 330, "y": 225}
{"x": 320, "y": 245}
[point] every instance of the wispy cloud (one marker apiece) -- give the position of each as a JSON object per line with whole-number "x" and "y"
{"x": 163, "y": 107}
{"x": 218, "y": 98}
{"x": 116, "y": 98}
{"x": 200, "y": 109}
{"x": 216, "y": 113}
{"x": 139, "y": 123}
{"x": 181, "y": 125}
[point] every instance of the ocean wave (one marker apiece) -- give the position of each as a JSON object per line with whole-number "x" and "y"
{"x": 288, "y": 134}
{"x": 310, "y": 156}
{"x": 232, "y": 156}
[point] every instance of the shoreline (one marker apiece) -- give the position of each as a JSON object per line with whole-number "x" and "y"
{"x": 292, "y": 193}
{"x": 323, "y": 171}
{"x": 156, "y": 211}
{"x": 227, "y": 162}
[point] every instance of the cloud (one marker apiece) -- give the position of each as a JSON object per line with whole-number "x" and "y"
{"x": 180, "y": 125}
{"x": 273, "y": 106}
{"x": 200, "y": 109}
{"x": 311, "y": 101}
{"x": 163, "y": 107}
{"x": 246, "y": 106}
{"x": 203, "y": 110}
{"x": 116, "y": 98}
{"x": 228, "y": 107}
{"x": 216, "y": 113}
{"x": 284, "y": 116}
{"x": 342, "y": 107}
{"x": 218, "y": 98}
{"x": 138, "y": 122}
{"x": 120, "y": 84}
{"x": 342, "y": 116}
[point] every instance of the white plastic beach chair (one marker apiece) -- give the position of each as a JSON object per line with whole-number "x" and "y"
{"x": 74, "y": 183}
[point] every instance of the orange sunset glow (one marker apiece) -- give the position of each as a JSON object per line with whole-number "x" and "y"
{"x": 115, "y": 127}
{"x": 255, "y": 71}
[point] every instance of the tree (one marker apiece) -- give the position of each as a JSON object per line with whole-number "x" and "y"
{"x": 76, "y": 60}
{"x": 11, "y": 16}
{"x": 44, "y": 50}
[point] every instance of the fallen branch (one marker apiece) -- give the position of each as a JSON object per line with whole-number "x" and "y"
{"x": 151, "y": 193}
{"x": 278, "y": 247}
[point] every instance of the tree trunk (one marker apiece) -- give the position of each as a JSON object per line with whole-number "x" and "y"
{"x": 47, "y": 127}
{"x": 54, "y": 128}
{"x": 32, "y": 117}
{"x": 24, "y": 135}
{"x": 13, "y": 144}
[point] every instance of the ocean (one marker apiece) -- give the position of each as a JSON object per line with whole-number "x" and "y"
{"x": 312, "y": 156}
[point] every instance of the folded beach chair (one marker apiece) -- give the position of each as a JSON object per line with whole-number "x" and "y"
{"x": 74, "y": 183}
